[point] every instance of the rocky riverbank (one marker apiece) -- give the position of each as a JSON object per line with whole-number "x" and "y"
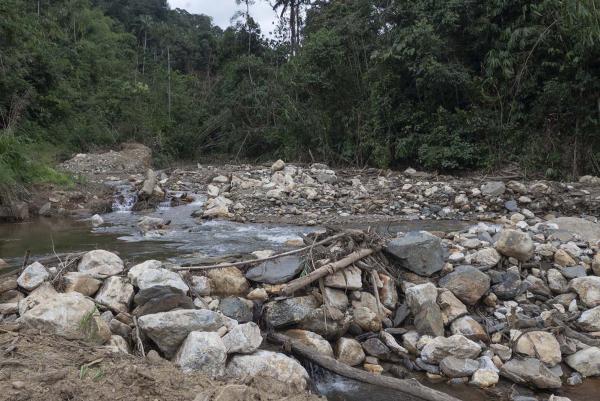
{"x": 517, "y": 300}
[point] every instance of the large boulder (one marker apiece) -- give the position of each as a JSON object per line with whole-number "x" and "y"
{"x": 311, "y": 340}
{"x": 268, "y": 367}
{"x": 276, "y": 271}
{"x": 160, "y": 299}
{"x": 237, "y": 308}
{"x": 150, "y": 274}
{"x": 470, "y": 328}
{"x": 530, "y": 371}
{"x": 169, "y": 329}
{"x": 458, "y": 367}
{"x": 457, "y": 345}
{"x": 588, "y": 289}
{"x": 515, "y": 244}
{"x": 493, "y": 188}
{"x": 228, "y": 281}
{"x": 202, "y": 352}
{"x": 467, "y": 283}
{"x": 33, "y": 276}
{"x": 100, "y": 264}
{"x": 427, "y": 314}
{"x": 68, "y": 315}
{"x": 590, "y": 319}
{"x": 586, "y": 361}
{"x": 116, "y": 293}
{"x": 584, "y": 228}
{"x": 289, "y": 311}
{"x": 81, "y": 283}
{"x": 243, "y": 339}
{"x": 540, "y": 344}
{"x": 349, "y": 351}
{"x": 418, "y": 251}
{"x": 36, "y": 297}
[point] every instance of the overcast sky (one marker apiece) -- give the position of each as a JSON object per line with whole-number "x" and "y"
{"x": 222, "y": 10}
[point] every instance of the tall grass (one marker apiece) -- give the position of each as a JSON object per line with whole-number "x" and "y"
{"x": 22, "y": 165}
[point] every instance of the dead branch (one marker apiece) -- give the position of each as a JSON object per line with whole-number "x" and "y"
{"x": 325, "y": 270}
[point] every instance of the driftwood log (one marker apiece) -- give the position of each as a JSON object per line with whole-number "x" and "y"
{"x": 325, "y": 270}
{"x": 411, "y": 390}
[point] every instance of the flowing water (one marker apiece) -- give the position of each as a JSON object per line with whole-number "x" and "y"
{"x": 188, "y": 240}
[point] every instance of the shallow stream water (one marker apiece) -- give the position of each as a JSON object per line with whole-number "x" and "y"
{"x": 188, "y": 240}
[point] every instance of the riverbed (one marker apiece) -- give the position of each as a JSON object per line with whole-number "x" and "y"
{"x": 188, "y": 240}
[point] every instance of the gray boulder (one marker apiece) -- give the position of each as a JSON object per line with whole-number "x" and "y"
{"x": 516, "y": 244}
{"x": 68, "y": 315}
{"x": 116, "y": 293}
{"x": 419, "y": 252}
{"x": 586, "y": 361}
{"x": 467, "y": 283}
{"x": 269, "y": 366}
{"x": 150, "y": 274}
{"x": 289, "y": 311}
{"x": 458, "y": 367}
{"x": 427, "y": 314}
{"x": 530, "y": 371}
{"x": 100, "y": 264}
{"x": 457, "y": 345}
{"x": 169, "y": 329}
{"x": 243, "y": 339}
{"x": 276, "y": 271}
{"x": 584, "y": 228}
{"x": 493, "y": 188}
{"x": 237, "y": 308}
{"x": 33, "y": 276}
{"x": 203, "y": 352}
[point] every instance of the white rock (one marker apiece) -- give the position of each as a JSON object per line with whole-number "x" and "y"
{"x": 33, "y": 276}
{"x": 588, "y": 289}
{"x": 68, "y": 315}
{"x": 202, "y": 352}
{"x": 117, "y": 293}
{"x": 100, "y": 264}
{"x": 349, "y": 278}
{"x": 311, "y": 340}
{"x": 541, "y": 345}
{"x": 243, "y": 339}
{"x": 118, "y": 344}
{"x": 97, "y": 220}
{"x": 586, "y": 362}
{"x": 201, "y": 286}
{"x": 270, "y": 366}
{"x": 169, "y": 329}
{"x": 457, "y": 345}
{"x": 151, "y": 274}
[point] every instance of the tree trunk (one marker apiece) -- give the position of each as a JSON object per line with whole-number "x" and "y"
{"x": 169, "y": 82}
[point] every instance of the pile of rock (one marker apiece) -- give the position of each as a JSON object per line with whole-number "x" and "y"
{"x": 317, "y": 193}
{"x": 518, "y": 299}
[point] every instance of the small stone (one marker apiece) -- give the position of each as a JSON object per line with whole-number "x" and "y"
{"x": 258, "y": 294}
{"x": 418, "y": 251}
{"x": 563, "y": 259}
{"x": 484, "y": 378}
{"x": 348, "y": 279}
{"x": 540, "y": 344}
{"x": 456, "y": 345}
{"x": 590, "y": 320}
{"x": 117, "y": 293}
{"x": 203, "y": 352}
{"x": 468, "y": 327}
{"x": 530, "y": 371}
{"x": 278, "y": 165}
{"x": 374, "y": 369}
{"x": 228, "y": 281}
{"x": 311, "y": 340}
{"x": 588, "y": 289}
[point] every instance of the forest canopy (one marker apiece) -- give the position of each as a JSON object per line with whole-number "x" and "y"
{"x": 456, "y": 84}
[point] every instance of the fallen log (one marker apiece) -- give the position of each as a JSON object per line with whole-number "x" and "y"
{"x": 412, "y": 390}
{"x": 246, "y": 262}
{"x": 325, "y": 270}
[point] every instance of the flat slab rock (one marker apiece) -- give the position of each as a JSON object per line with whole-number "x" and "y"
{"x": 419, "y": 252}
{"x": 276, "y": 271}
{"x": 267, "y": 365}
{"x": 530, "y": 371}
{"x": 169, "y": 329}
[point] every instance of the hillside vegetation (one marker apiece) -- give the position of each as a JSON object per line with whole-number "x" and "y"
{"x": 448, "y": 85}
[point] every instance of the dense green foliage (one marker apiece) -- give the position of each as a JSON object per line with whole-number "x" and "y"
{"x": 439, "y": 84}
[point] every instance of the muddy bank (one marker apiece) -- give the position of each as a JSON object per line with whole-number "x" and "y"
{"x": 40, "y": 367}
